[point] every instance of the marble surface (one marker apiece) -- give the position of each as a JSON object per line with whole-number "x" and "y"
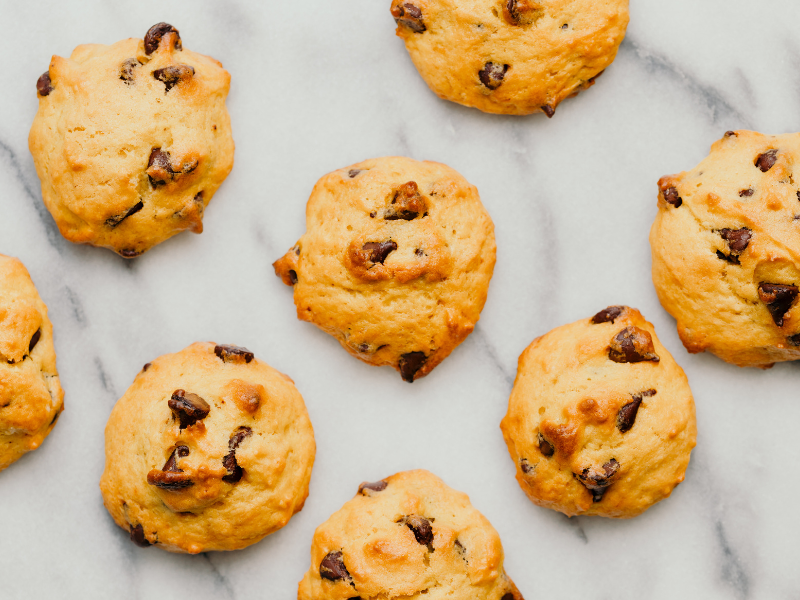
{"x": 320, "y": 85}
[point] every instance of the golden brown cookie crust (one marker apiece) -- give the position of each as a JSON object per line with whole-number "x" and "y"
{"x": 215, "y": 473}
{"x": 407, "y": 536}
{"x": 510, "y": 56}
{"x": 31, "y": 397}
{"x": 726, "y": 250}
{"x": 131, "y": 146}
{"x": 395, "y": 263}
{"x": 601, "y": 420}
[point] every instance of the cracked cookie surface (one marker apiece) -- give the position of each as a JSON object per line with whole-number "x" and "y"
{"x": 510, "y": 56}
{"x": 31, "y": 398}
{"x": 132, "y": 140}
{"x": 395, "y": 262}
{"x": 726, "y": 250}
{"x": 601, "y": 420}
{"x": 209, "y": 449}
{"x": 408, "y": 536}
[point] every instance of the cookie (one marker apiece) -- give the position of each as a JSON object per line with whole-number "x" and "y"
{"x": 601, "y": 419}
{"x": 132, "y": 140}
{"x": 209, "y": 449}
{"x": 395, "y": 262}
{"x": 407, "y": 536}
{"x": 512, "y": 57}
{"x": 31, "y": 397}
{"x": 726, "y": 250}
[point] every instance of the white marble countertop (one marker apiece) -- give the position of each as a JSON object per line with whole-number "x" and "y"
{"x": 320, "y": 85}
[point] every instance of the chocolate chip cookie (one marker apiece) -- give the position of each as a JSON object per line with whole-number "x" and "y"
{"x": 407, "y": 536}
{"x": 132, "y": 140}
{"x": 726, "y": 250}
{"x": 601, "y": 419}
{"x": 209, "y": 449}
{"x": 510, "y": 56}
{"x": 395, "y": 263}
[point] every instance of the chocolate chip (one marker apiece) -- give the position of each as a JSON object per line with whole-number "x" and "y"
{"x": 526, "y": 467}
{"x": 492, "y": 75}
{"x": 377, "y": 486}
{"x": 353, "y": 172}
{"x": 767, "y": 160}
{"x": 421, "y": 527}
{"x": 407, "y": 203}
{"x": 138, "y": 537}
{"x": 419, "y": 252}
{"x": 549, "y": 110}
{"x": 34, "y": 340}
{"x": 116, "y": 220}
{"x": 372, "y": 214}
{"x": 159, "y": 167}
{"x": 173, "y": 75}
{"x": 798, "y": 195}
{"x": 778, "y": 298}
{"x": 233, "y": 354}
{"x": 44, "y": 86}
{"x": 152, "y": 38}
{"x": 171, "y": 477}
{"x": 730, "y": 133}
{"x": 126, "y": 72}
{"x": 545, "y": 447}
{"x": 408, "y": 15}
{"x": 597, "y": 481}
{"x": 746, "y": 193}
{"x": 627, "y": 414}
{"x": 607, "y": 315}
{"x": 632, "y": 345}
{"x": 565, "y": 26}
{"x": 146, "y": 366}
{"x": 293, "y": 276}
{"x": 521, "y": 12}
{"x": 738, "y": 239}
{"x": 130, "y": 253}
{"x": 410, "y": 363}
{"x": 188, "y": 408}
{"x": 671, "y": 196}
{"x": 794, "y": 340}
{"x": 332, "y": 567}
{"x": 235, "y": 472}
{"x": 378, "y": 251}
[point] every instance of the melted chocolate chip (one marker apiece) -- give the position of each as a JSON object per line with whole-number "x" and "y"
{"x": 146, "y": 366}
{"x": 422, "y": 529}
{"x": 116, "y": 220}
{"x": 794, "y": 340}
{"x": 738, "y": 239}
{"x": 545, "y": 447}
{"x": 627, "y": 414}
{"x": 171, "y": 477}
{"x": 332, "y": 567}
{"x": 130, "y": 253}
{"x": 671, "y": 196}
{"x": 44, "y": 86}
{"x": 233, "y": 354}
{"x": 408, "y": 15}
{"x": 188, "y": 408}
{"x": 778, "y": 298}
{"x": 154, "y": 35}
{"x": 521, "y": 12}
{"x": 407, "y": 203}
{"x": 138, "y": 537}
{"x": 597, "y": 481}
{"x": 126, "y": 71}
{"x": 632, "y": 345}
{"x": 608, "y": 315}
{"x": 34, "y": 340}
{"x": 508, "y": 596}
{"x": 767, "y": 160}
{"x": 173, "y": 75}
{"x": 353, "y": 172}
{"x": 378, "y": 251}
{"x": 410, "y": 363}
{"x": 377, "y": 486}
{"x": 526, "y": 466}
{"x": 746, "y": 193}
{"x": 492, "y": 75}
{"x": 549, "y": 110}
{"x": 730, "y": 134}
{"x": 293, "y": 276}
{"x": 235, "y": 472}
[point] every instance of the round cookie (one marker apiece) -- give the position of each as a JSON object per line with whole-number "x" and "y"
{"x": 407, "y": 536}
{"x": 726, "y": 250}
{"x": 512, "y": 57}
{"x": 31, "y": 397}
{"x": 209, "y": 449}
{"x": 132, "y": 140}
{"x": 395, "y": 263}
{"x": 601, "y": 419}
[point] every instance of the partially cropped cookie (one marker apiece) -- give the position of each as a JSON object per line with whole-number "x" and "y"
{"x": 209, "y": 449}
{"x": 395, "y": 262}
{"x": 511, "y": 56}
{"x": 31, "y": 397}
{"x": 726, "y": 250}
{"x": 131, "y": 140}
{"x": 601, "y": 419}
{"x": 407, "y": 536}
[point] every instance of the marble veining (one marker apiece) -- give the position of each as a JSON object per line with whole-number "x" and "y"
{"x": 320, "y": 85}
